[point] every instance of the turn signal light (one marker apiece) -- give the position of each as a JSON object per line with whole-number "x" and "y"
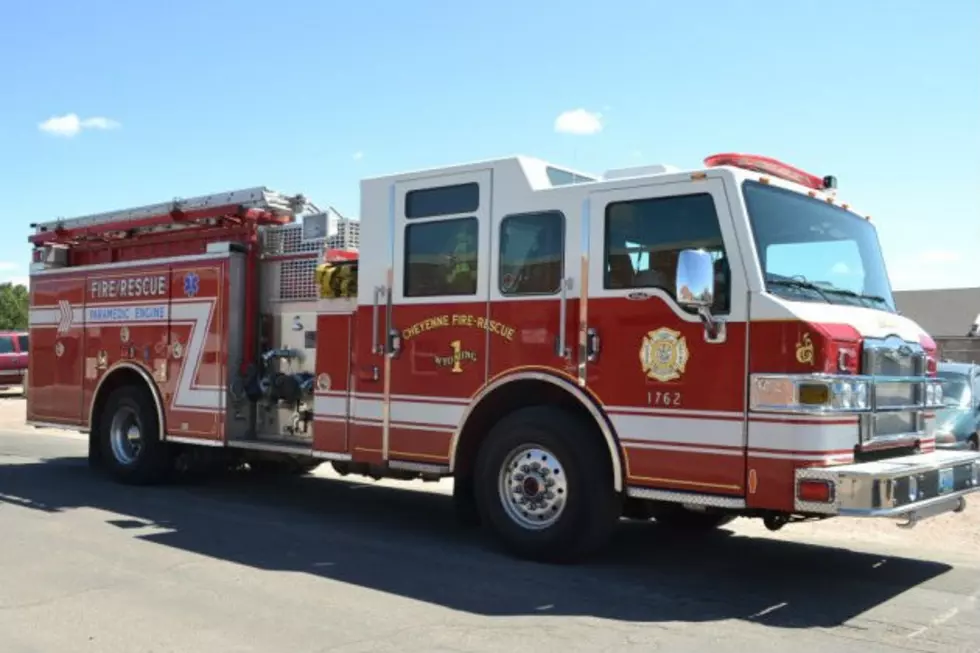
{"x": 814, "y": 394}
{"x": 815, "y": 491}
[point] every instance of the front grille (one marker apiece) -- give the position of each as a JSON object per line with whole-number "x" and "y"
{"x": 893, "y": 357}
{"x": 896, "y": 392}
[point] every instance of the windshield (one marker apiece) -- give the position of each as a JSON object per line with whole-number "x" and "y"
{"x": 811, "y": 250}
{"x": 956, "y": 389}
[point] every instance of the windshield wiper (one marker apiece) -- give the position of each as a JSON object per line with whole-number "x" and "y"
{"x": 851, "y": 293}
{"x": 797, "y": 283}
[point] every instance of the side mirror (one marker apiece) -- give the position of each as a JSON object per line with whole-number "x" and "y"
{"x": 695, "y": 280}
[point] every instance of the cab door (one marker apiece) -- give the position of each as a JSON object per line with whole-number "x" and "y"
{"x": 674, "y": 393}
{"x": 437, "y": 315}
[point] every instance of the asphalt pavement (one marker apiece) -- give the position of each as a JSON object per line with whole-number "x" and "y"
{"x": 320, "y": 563}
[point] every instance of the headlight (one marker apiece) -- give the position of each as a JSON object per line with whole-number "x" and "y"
{"x": 809, "y": 394}
{"x": 934, "y": 394}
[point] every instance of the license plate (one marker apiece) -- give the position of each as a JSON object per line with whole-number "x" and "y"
{"x": 945, "y": 481}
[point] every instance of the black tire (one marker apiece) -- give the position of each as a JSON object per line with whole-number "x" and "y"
{"x": 152, "y": 462}
{"x": 691, "y": 521}
{"x": 464, "y": 503}
{"x": 588, "y": 515}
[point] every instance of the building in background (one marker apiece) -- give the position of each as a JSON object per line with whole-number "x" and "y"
{"x": 950, "y": 315}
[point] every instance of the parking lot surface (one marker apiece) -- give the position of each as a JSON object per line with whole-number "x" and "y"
{"x": 327, "y": 564}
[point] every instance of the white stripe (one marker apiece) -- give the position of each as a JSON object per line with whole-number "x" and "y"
{"x": 198, "y": 314}
{"x": 679, "y": 430}
{"x": 365, "y": 409}
{"x": 417, "y": 412}
{"x": 330, "y": 406}
{"x": 802, "y": 437}
{"x": 38, "y": 317}
{"x": 426, "y": 413}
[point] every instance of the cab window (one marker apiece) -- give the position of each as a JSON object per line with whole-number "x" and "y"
{"x": 643, "y": 239}
{"x": 532, "y": 253}
{"x": 6, "y": 345}
{"x": 441, "y": 257}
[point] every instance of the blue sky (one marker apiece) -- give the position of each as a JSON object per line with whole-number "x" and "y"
{"x": 175, "y": 99}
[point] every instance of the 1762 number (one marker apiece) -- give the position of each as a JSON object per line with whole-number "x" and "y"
{"x": 664, "y": 399}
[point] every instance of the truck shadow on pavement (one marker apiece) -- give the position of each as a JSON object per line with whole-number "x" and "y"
{"x": 407, "y": 543}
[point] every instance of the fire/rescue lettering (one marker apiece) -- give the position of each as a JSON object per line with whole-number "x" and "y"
{"x": 149, "y": 286}
{"x": 459, "y": 320}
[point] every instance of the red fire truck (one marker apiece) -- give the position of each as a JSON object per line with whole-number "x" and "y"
{"x": 688, "y": 346}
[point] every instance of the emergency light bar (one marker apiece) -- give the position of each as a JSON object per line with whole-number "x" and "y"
{"x": 770, "y": 166}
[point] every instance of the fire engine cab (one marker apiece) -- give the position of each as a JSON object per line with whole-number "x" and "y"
{"x": 687, "y": 346}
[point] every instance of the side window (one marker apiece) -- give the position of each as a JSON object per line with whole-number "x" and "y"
{"x": 6, "y": 345}
{"x": 442, "y": 200}
{"x": 532, "y": 253}
{"x": 644, "y": 238}
{"x": 441, "y": 257}
{"x": 24, "y": 342}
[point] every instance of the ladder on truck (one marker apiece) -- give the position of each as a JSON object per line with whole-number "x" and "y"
{"x": 260, "y": 204}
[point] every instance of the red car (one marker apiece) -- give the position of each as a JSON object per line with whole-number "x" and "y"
{"x": 13, "y": 359}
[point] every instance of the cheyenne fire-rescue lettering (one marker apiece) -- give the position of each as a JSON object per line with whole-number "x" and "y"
{"x": 149, "y": 286}
{"x": 459, "y": 319}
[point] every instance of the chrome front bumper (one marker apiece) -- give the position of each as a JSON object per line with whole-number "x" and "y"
{"x": 913, "y": 487}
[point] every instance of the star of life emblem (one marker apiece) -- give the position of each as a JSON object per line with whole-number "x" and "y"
{"x": 664, "y": 354}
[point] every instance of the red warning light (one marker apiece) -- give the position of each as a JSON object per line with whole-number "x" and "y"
{"x": 769, "y": 166}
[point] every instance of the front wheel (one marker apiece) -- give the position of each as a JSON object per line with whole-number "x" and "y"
{"x": 544, "y": 487}
{"x": 129, "y": 438}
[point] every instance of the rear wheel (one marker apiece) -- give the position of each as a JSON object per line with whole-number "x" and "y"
{"x": 129, "y": 438}
{"x": 543, "y": 486}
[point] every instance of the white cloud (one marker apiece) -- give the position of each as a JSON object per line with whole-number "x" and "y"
{"x": 358, "y": 156}
{"x": 579, "y": 122}
{"x": 939, "y": 256}
{"x": 840, "y": 268}
{"x": 70, "y": 124}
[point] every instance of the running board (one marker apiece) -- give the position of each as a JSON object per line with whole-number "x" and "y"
{"x": 294, "y": 448}
{"x": 692, "y": 499}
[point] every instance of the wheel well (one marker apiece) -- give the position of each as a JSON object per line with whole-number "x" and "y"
{"x": 517, "y": 394}
{"x": 117, "y": 378}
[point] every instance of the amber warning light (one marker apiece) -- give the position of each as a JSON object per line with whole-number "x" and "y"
{"x": 770, "y": 166}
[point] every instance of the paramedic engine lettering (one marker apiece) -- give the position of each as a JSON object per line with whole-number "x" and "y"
{"x": 569, "y": 349}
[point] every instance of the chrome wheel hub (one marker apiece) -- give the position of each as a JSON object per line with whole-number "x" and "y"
{"x": 532, "y": 486}
{"x": 125, "y": 436}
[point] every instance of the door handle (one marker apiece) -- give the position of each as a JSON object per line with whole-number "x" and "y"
{"x": 592, "y": 344}
{"x": 562, "y": 346}
{"x": 375, "y": 346}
